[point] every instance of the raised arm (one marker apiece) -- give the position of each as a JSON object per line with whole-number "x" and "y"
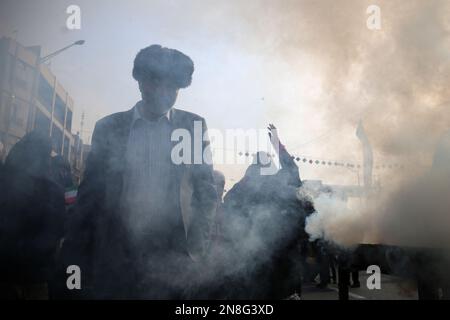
{"x": 286, "y": 160}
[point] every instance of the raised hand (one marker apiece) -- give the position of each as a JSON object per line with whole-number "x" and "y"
{"x": 273, "y": 135}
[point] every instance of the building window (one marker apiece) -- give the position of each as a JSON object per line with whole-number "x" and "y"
{"x": 66, "y": 147}
{"x": 19, "y": 113}
{"x": 41, "y": 122}
{"x": 57, "y": 139}
{"x": 23, "y": 75}
{"x": 69, "y": 120}
{"x": 45, "y": 93}
{"x": 60, "y": 110}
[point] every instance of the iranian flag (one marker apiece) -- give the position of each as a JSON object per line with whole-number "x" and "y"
{"x": 70, "y": 195}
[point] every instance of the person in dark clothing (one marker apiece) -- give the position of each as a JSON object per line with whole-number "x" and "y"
{"x": 355, "y": 279}
{"x": 326, "y": 262}
{"x": 31, "y": 219}
{"x": 323, "y": 262}
{"x": 143, "y": 220}
{"x": 61, "y": 174}
{"x": 266, "y": 220}
{"x": 333, "y": 267}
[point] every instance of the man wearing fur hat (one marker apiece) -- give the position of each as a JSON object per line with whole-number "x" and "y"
{"x": 142, "y": 221}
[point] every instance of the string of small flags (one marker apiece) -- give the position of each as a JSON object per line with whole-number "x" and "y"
{"x": 316, "y": 161}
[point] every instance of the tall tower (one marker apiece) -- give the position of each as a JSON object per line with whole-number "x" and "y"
{"x": 82, "y": 124}
{"x": 367, "y": 155}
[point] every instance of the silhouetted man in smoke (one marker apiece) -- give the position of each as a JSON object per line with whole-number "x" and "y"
{"x": 143, "y": 221}
{"x": 266, "y": 220}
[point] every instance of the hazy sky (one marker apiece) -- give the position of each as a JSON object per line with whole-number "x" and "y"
{"x": 312, "y": 68}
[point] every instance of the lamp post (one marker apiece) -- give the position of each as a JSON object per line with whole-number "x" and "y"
{"x": 51, "y": 55}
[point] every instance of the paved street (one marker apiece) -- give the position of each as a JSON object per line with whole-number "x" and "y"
{"x": 392, "y": 288}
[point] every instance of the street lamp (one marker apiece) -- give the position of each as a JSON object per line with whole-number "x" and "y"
{"x": 51, "y": 55}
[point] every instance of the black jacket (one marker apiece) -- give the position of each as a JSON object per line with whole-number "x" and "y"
{"x": 97, "y": 240}
{"x": 31, "y": 225}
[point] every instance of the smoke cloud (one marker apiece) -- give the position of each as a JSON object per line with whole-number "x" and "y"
{"x": 395, "y": 80}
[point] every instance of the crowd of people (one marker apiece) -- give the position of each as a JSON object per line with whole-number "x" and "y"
{"x": 143, "y": 227}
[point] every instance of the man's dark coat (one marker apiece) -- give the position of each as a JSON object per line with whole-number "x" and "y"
{"x": 96, "y": 239}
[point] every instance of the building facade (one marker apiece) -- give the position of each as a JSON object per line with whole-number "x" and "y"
{"x": 33, "y": 99}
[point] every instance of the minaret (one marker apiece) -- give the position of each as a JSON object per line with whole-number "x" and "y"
{"x": 367, "y": 156}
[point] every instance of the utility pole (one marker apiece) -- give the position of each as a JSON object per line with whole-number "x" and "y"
{"x": 81, "y": 124}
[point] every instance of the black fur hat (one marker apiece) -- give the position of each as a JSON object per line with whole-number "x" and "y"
{"x": 163, "y": 63}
